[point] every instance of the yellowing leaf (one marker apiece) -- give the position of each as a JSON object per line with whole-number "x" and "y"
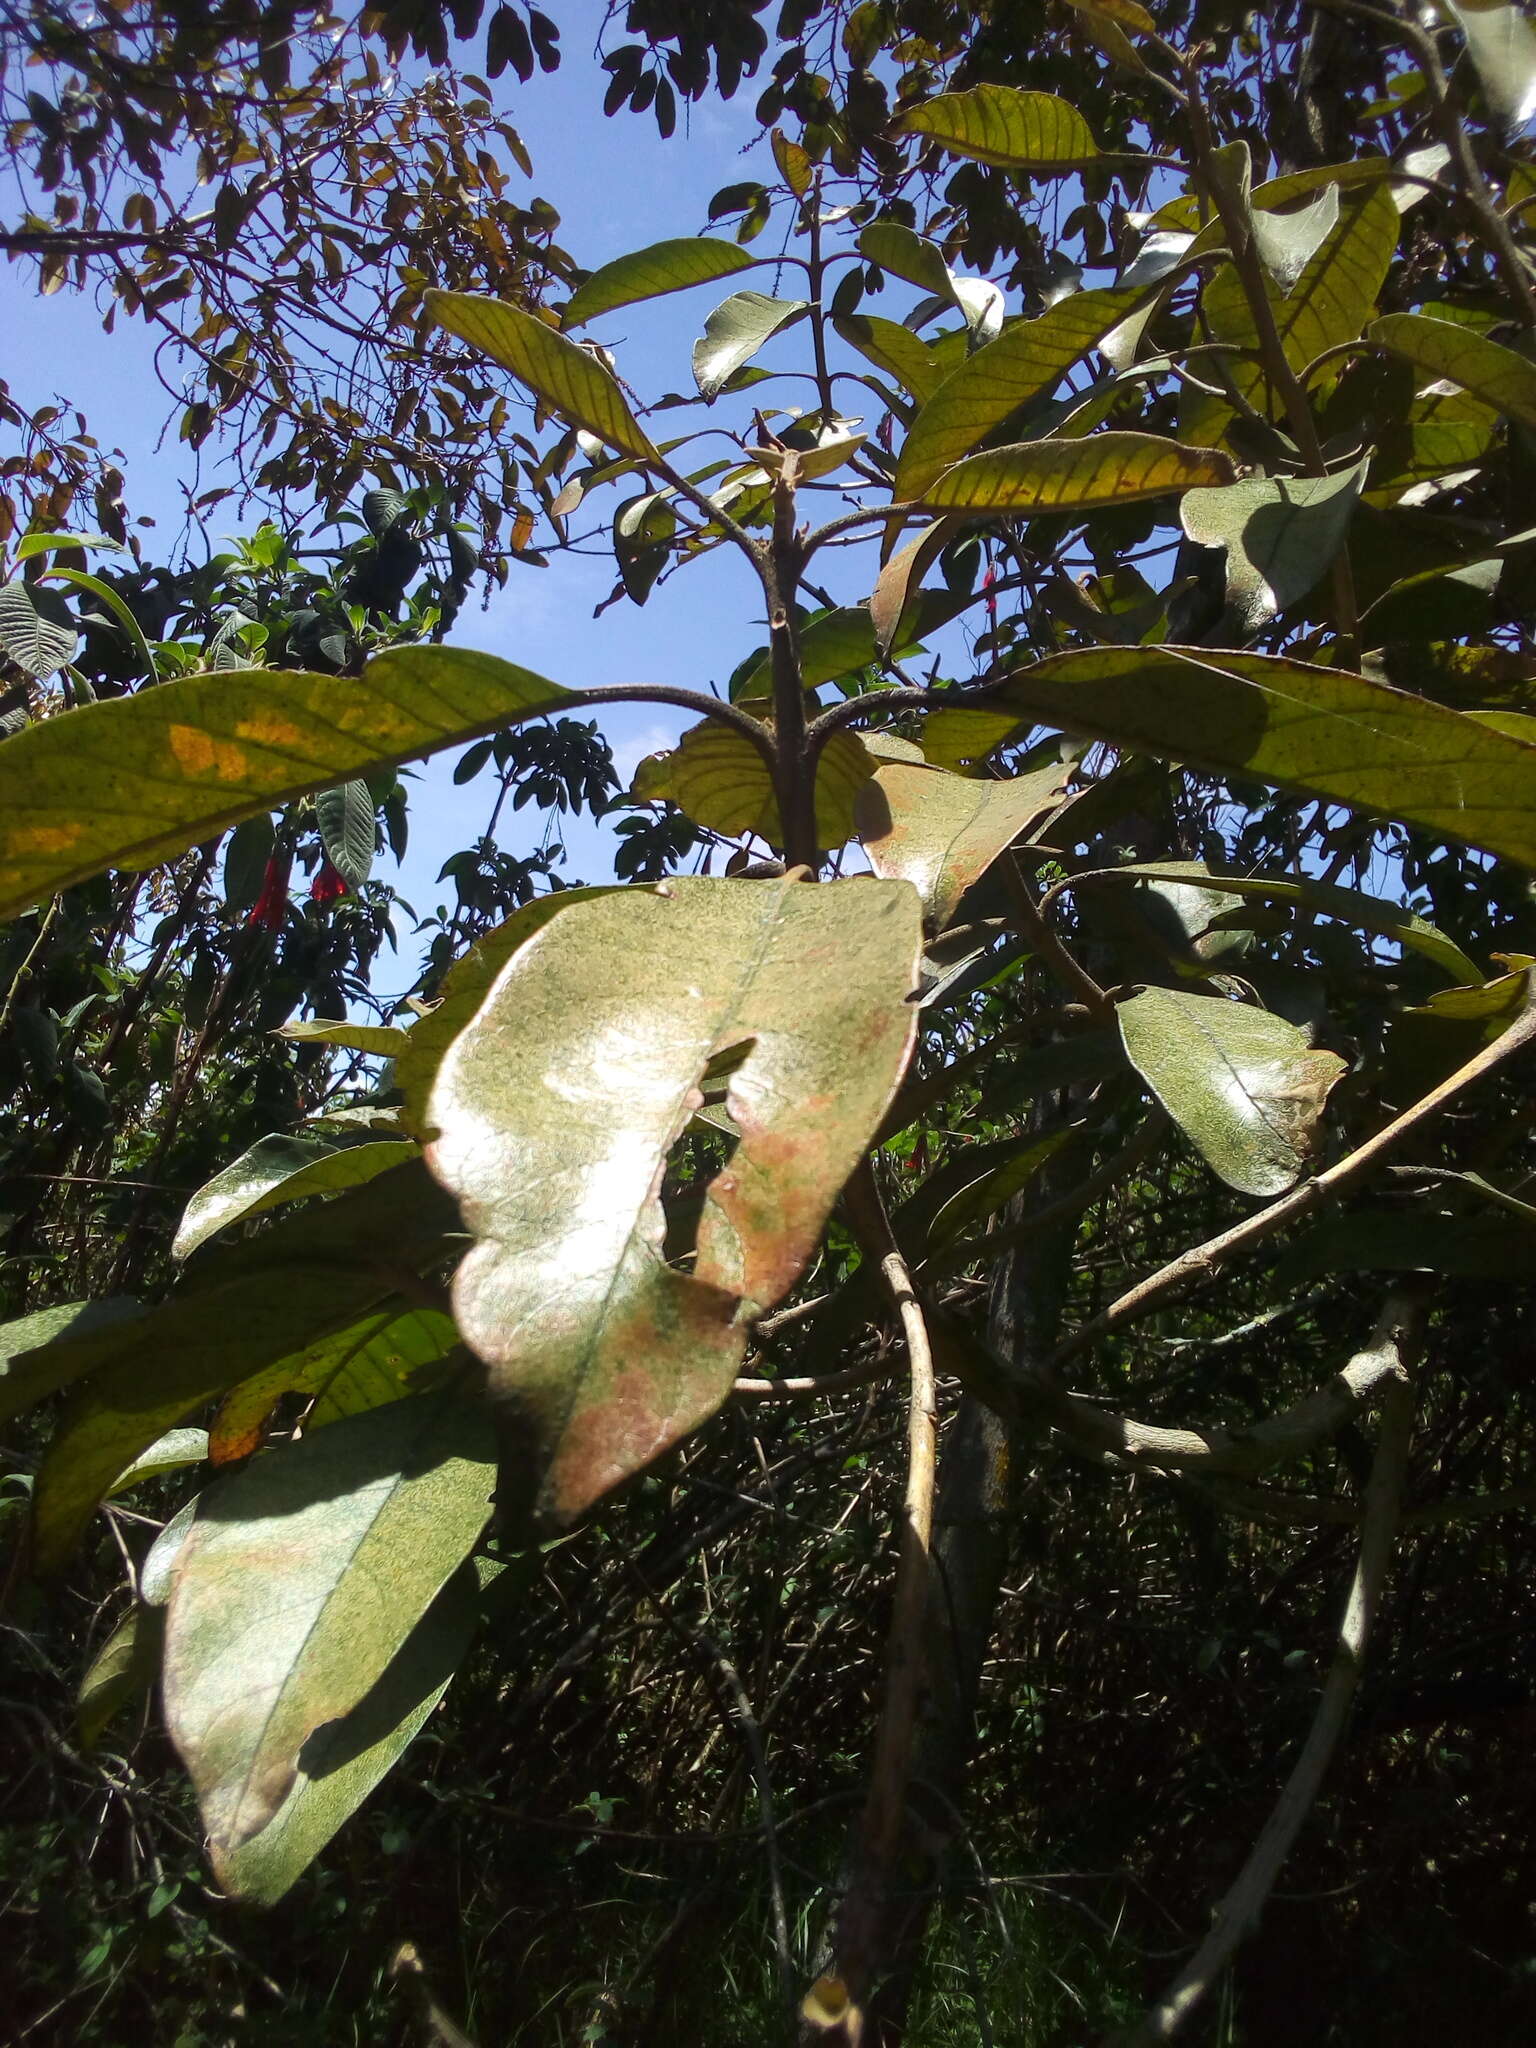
{"x": 1242, "y": 1083}
{"x": 1321, "y": 730}
{"x": 602, "y": 1355}
{"x": 989, "y": 387}
{"x": 1487, "y": 369}
{"x": 997, "y": 124}
{"x": 720, "y": 779}
{"x": 298, "y": 1582}
{"x": 140, "y": 779}
{"x": 569, "y": 379}
{"x": 1074, "y": 476}
{"x": 650, "y": 273}
{"x": 942, "y": 832}
{"x": 894, "y": 349}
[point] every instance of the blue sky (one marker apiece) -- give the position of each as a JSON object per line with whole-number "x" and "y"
{"x": 618, "y": 186}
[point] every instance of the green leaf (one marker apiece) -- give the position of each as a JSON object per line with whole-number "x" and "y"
{"x": 1324, "y": 731}
{"x": 250, "y": 846}
{"x": 1280, "y": 534}
{"x": 385, "y": 1356}
{"x": 276, "y": 1170}
{"x": 385, "y": 1040}
{"x": 37, "y": 631}
{"x": 734, "y": 332}
{"x": 989, "y": 387}
{"x": 1440, "y": 348}
{"x": 1349, "y": 906}
{"x": 895, "y": 350}
{"x": 568, "y": 378}
{"x": 341, "y": 1763}
{"x": 1244, "y": 1085}
{"x": 904, "y": 254}
{"x": 345, "y": 815}
{"x": 601, "y": 1355}
{"x": 1075, "y": 476}
{"x": 120, "y": 613}
{"x": 942, "y": 832}
{"x": 1329, "y": 304}
{"x": 838, "y": 644}
{"x": 44, "y": 543}
{"x": 122, "y": 1672}
{"x": 252, "y": 1305}
{"x": 172, "y": 1452}
{"x": 139, "y": 779}
{"x": 722, "y": 782}
{"x": 37, "y": 1356}
{"x": 997, "y": 124}
{"x": 299, "y": 1581}
{"x": 664, "y": 267}
{"x": 1502, "y": 46}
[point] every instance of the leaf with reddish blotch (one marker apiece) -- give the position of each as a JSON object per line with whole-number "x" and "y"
{"x": 1243, "y": 1084}
{"x": 557, "y": 1109}
{"x": 941, "y": 832}
{"x": 1113, "y": 468}
{"x": 300, "y": 1579}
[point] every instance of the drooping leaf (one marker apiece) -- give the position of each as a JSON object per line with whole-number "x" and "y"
{"x": 989, "y": 387}
{"x": 275, "y": 1170}
{"x": 1287, "y": 242}
{"x": 894, "y": 349}
{"x": 734, "y": 332}
{"x": 252, "y": 1305}
{"x": 1243, "y": 1084}
{"x": 601, "y": 1355}
{"x": 387, "y": 1355}
{"x": 671, "y": 266}
{"x": 899, "y": 583}
{"x": 1487, "y": 369}
{"x": 387, "y": 1041}
{"x": 341, "y": 1762}
{"x": 897, "y": 249}
{"x": 721, "y": 781}
{"x": 1502, "y": 46}
{"x": 1280, "y": 535}
{"x": 139, "y": 779}
{"x": 1324, "y": 731}
{"x": 37, "y": 632}
{"x": 300, "y": 1579}
{"x": 998, "y": 124}
{"x": 568, "y": 378}
{"x": 1349, "y": 906}
{"x": 345, "y": 815}
{"x": 942, "y": 832}
{"x": 1075, "y": 476}
{"x": 122, "y": 1673}
{"x": 464, "y": 989}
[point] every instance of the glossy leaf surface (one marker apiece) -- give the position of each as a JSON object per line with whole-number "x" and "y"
{"x": 299, "y": 1581}
{"x": 279, "y": 1169}
{"x": 140, "y": 779}
{"x": 942, "y": 832}
{"x": 1243, "y": 1084}
{"x": 733, "y": 334}
{"x": 601, "y": 1355}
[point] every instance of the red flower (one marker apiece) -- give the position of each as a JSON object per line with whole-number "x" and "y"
{"x": 987, "y": 582}
{"x": 271, "y": 905}
{"x": 327, "y": 885}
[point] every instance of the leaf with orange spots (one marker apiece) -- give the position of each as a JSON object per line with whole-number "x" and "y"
{"x": 556, "y": 1110}
{"x": 138, "y": 780}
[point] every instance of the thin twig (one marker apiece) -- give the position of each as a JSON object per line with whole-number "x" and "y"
{"x": 1245, "y": 1900}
